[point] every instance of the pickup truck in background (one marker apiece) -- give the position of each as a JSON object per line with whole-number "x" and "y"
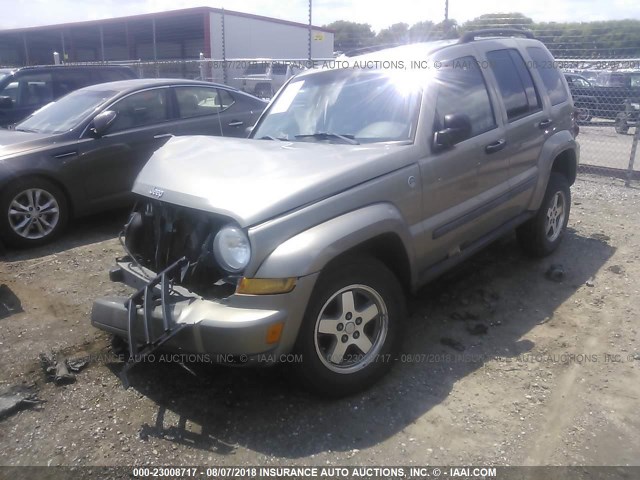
{"x": 614, "y": 96}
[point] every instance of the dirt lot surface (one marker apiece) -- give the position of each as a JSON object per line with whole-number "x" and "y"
{"x": 500, "y": 365}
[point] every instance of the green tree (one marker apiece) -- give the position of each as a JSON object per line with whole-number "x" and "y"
{"x": 396, "y": 33}
{"x": 351, "y": 35}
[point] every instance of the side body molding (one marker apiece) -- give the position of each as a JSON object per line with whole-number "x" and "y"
{"x": 309, "y": 251}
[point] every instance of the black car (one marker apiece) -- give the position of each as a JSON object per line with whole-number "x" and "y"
{"x": 81, "y": 154}
{"x": 24, "y": 90}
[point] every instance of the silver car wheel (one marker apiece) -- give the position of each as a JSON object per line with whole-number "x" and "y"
{"x": 555, "y": 216}
{"x": 351, "y": 329}
{"x": 34, "y": 213}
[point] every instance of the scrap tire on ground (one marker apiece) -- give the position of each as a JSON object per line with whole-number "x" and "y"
{"x": 621, "y": 123}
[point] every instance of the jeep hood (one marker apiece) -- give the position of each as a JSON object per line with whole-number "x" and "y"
{"x": 252, "y": 181}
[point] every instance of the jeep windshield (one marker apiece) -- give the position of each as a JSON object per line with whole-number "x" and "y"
{"x": 343, "y": 106}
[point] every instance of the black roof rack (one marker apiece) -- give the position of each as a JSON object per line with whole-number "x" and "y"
{"x": 494, "y": 32}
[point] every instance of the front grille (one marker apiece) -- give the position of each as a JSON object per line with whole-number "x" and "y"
{"x": 158, "y": 234}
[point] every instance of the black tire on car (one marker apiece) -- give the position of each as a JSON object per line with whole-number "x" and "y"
{"x": 542, "y": 234}
{"x": 263, "y": 90}
{"x": 350, "y": 333}
{"x": 621, "y": 123}
{"x": 33, "y": 211}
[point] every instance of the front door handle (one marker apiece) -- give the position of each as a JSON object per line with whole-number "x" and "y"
{"x": 495, "y": 146}
{"x": 545, "y": 123}
{"x": 235, "y": 123}
{"x": 162, "y": 135}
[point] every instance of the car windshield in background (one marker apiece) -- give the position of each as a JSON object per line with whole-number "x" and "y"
{"x": 66, "y": 113}
{"x": 341, "y": 106}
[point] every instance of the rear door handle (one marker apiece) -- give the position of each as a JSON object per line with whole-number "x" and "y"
{"x": 545, "y": 123}
{"x": 235, "y": 123}
{"x": 495, "y": 146}
{"x": 162, "y": 135}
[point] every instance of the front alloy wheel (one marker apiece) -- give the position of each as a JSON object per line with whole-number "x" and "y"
{"x": 351, "y": 330}
{"x": 34, "y": 213}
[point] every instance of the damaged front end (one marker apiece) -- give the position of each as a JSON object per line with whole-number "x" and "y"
{"x": 185, "y": 265}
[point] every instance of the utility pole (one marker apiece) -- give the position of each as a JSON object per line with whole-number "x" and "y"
{"x": 446, "y": 10}
{"x": 310, "y": 33}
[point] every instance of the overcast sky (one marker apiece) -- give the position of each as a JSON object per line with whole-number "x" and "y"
{"x": 25, "y": 13}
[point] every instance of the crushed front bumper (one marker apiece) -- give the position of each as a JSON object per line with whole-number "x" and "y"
{"x": 163, "y": 314}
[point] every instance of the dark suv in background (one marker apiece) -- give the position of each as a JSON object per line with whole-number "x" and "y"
{"x": 24, "y": 90}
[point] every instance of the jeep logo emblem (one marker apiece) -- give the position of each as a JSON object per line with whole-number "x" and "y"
{"x": 156, "y": 192}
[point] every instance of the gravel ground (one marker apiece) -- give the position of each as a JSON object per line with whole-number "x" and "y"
{"x": 500, "y": 366}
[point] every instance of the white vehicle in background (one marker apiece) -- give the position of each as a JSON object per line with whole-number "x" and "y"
{"x": 264, "y": 78}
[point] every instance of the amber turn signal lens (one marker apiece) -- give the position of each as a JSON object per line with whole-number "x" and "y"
{"x": 274, "y": 332}
{"x": 265, "y": 286}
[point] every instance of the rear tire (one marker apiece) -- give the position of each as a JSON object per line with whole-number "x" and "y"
{"x": 351, "y": 330}
{"x": 621, "y": 124}
{"x": 583, "y": 114}
{"x": 542, "y": 234}
{"x": 33, "y": 211}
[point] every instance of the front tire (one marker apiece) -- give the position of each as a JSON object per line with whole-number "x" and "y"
{"x": 542, "y": 234}
{"x": 351, "y": 330}
{"x": 33, "y": 212}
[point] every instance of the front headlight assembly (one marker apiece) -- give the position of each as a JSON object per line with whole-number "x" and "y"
{"x": 232, "y": 249}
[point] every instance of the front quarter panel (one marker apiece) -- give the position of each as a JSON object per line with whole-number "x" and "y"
{"x": 308, "y": 252}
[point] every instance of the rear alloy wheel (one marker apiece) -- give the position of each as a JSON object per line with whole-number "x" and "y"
{"x": 33, "y": 212}
{"x": 542, "y": 234}
{"x": 583, "y": 114}
{"x": 350, "y": 332}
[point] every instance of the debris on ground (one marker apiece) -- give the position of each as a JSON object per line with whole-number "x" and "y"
{"x": 617, "y": 269}
{"x": 13, "y": 400}
{"x": 9, "y": 302}
{"x": 591, "y": 282}
{"x": 555, "y": 273}
{"x": 62, "y": 372}
{"x": 450, "y": 342}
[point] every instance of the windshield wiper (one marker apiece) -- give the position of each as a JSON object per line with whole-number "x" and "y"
{"x": 28, "y": 130}
{"x": 350, "y": 139}
{"x": 269, "y": 137}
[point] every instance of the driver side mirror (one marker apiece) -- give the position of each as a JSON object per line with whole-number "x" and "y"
{"x": 102, "y": 122}
{"x": 6, "y": 103}
{"x": 457, "y": 127}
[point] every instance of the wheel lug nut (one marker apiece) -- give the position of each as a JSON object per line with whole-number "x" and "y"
{"x": 345, "y": 338}
{"x": 358, "y": 320}
{"x": 348, "y": 316}
{"x": 356, "y": 335}
{"x": 340, "y": 327}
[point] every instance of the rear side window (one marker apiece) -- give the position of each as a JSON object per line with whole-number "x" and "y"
{"x": 514, "y": 80}
{"x": 198, "y": 101}
{"x": 462, "y": 90}
{"x": 551, "y": 76}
